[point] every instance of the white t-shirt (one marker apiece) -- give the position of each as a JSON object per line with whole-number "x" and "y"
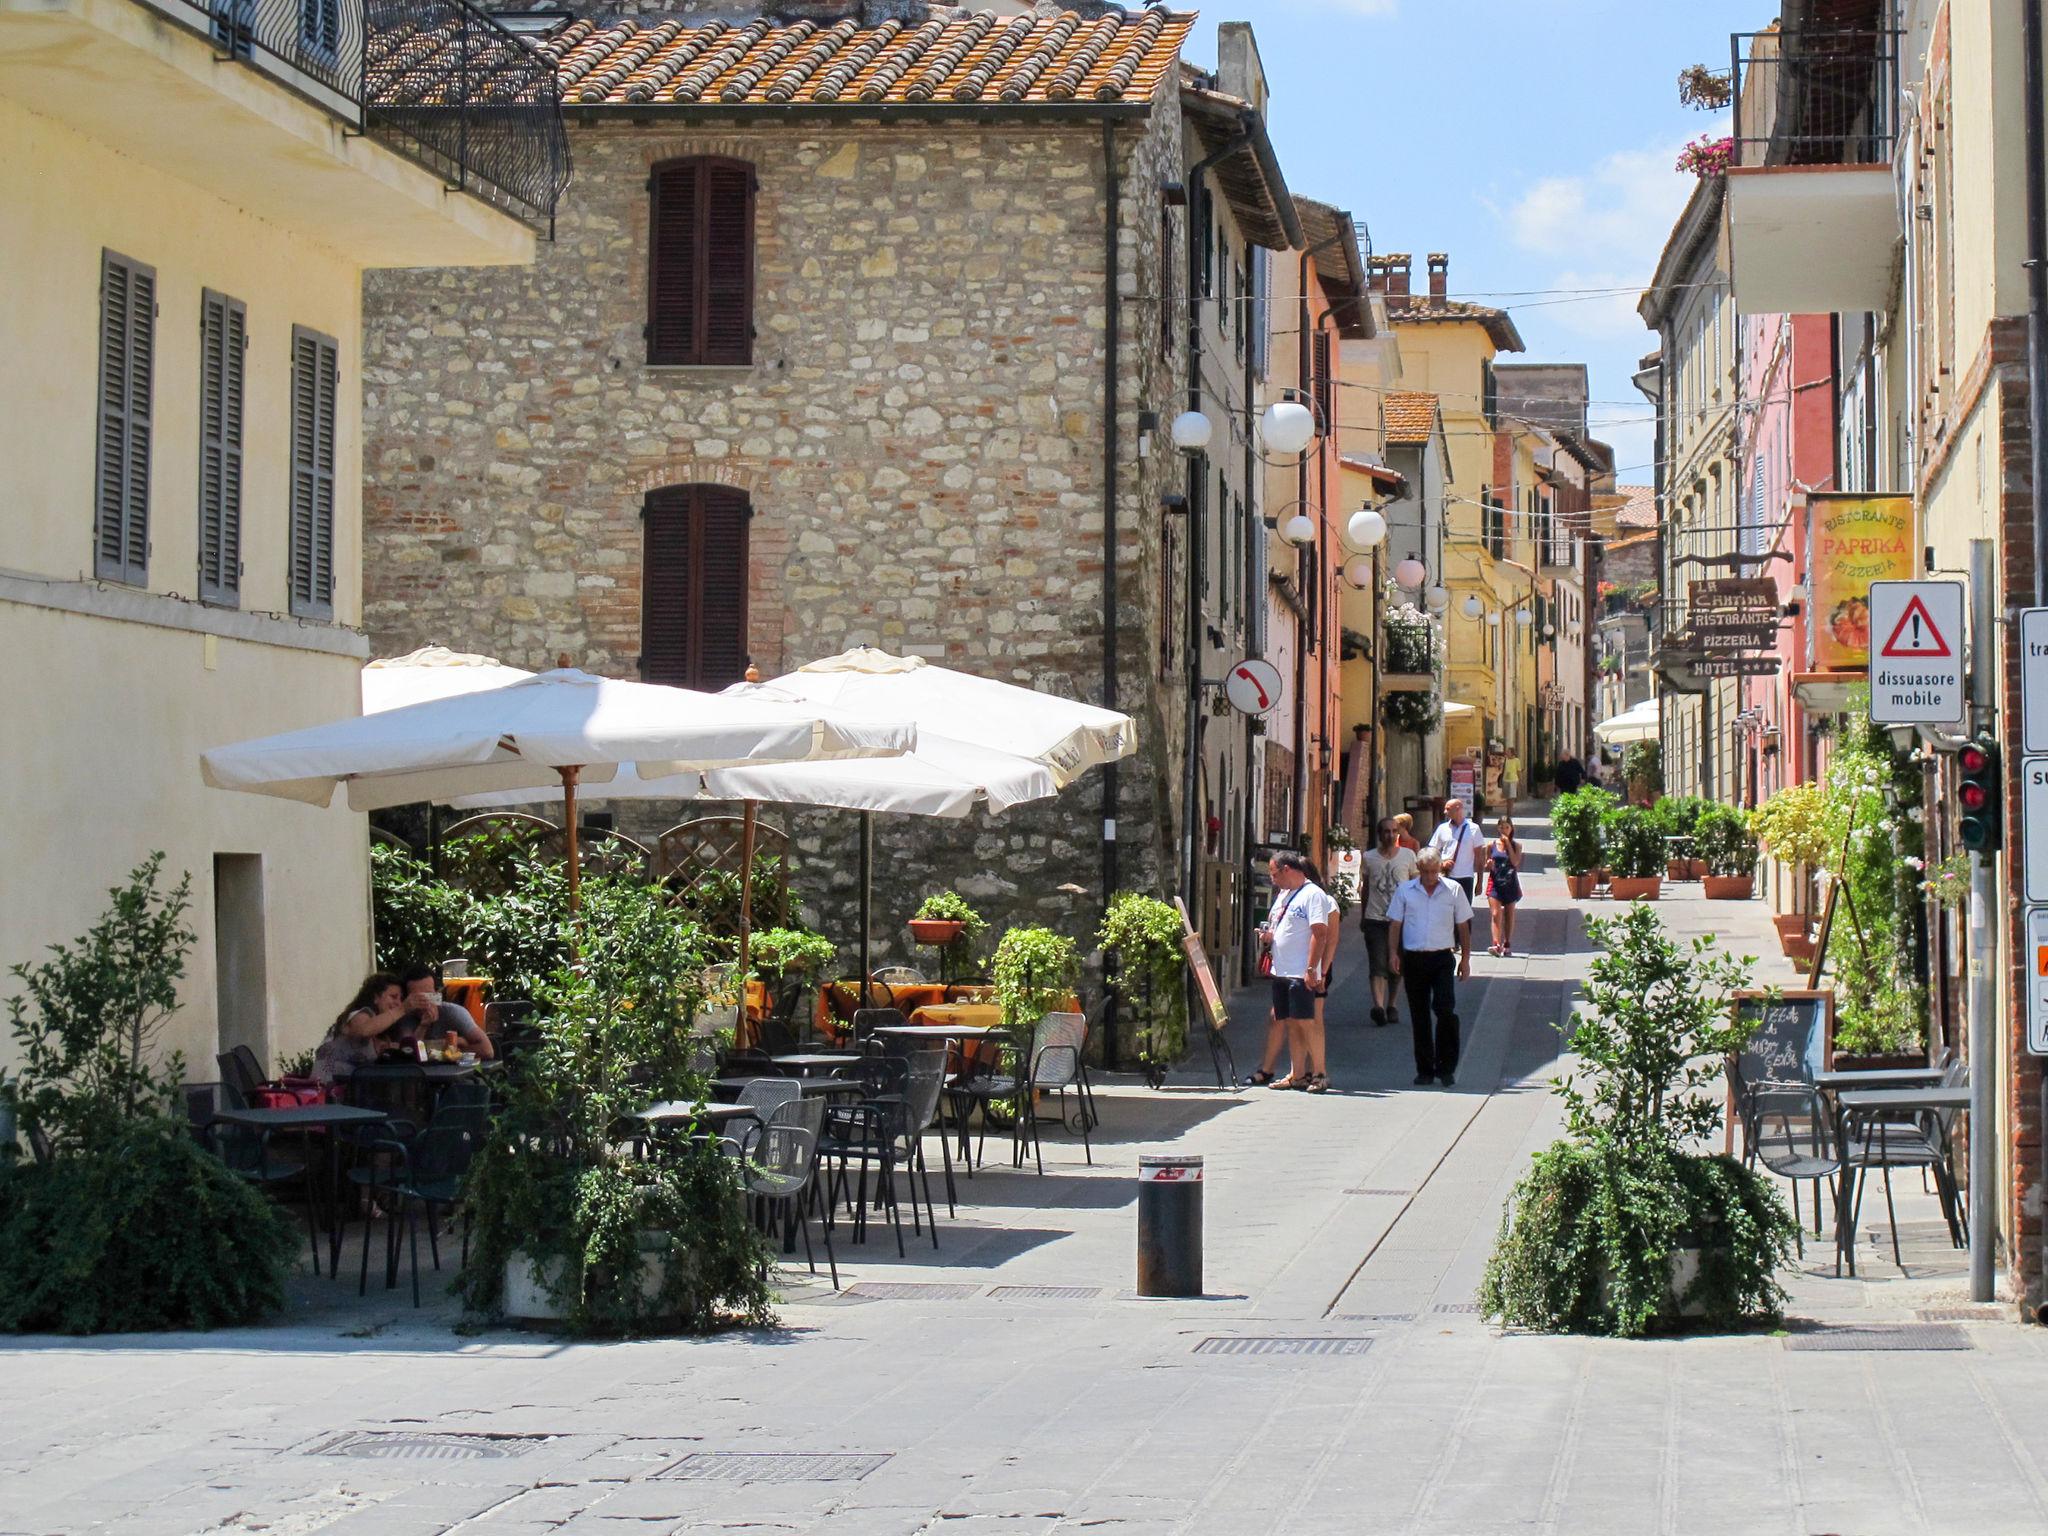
{"x": 1460, "y": 846}
{"x": 1294, "y": 913}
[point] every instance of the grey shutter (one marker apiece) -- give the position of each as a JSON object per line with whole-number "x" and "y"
{"x": 121, "y": 470}
{"x": 315, "y": 393}
{"x": 223, "y": 339}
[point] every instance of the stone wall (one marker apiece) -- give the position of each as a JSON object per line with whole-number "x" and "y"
{"x": 920, "y": 435}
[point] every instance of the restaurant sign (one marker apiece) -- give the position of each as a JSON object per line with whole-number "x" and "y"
{"x": 1732, "y": 614}
{"x": 1736, "y": 666}
{"x": 1852, "y": 542}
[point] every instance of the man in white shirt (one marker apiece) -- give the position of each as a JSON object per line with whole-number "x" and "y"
{"x": 1458, "y": 841}
{"x": 1430, "y": 934}
{"x": 1301, "y": 933}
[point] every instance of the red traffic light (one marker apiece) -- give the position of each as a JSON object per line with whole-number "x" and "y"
{"x": 1973, "y": 760}
{"x": 1973, "y": 796}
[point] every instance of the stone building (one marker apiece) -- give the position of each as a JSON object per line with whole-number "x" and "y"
{"x": 883, "y": 310}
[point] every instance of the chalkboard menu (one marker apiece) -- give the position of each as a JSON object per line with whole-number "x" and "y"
{"x": 1793, "y": 1032}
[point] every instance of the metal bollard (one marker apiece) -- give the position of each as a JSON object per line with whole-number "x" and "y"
{"x": 1169, "y": 1225}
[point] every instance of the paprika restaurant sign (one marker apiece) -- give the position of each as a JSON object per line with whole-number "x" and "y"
{"x": 1853, "y": 541}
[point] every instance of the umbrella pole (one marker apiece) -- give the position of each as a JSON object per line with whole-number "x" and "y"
{"x": 867, "y": 895}
{"x": 572, "y": 855}
{"x": 749, "y": 812}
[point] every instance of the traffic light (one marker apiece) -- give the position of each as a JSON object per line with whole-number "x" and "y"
{"x": 1980, "y": 797}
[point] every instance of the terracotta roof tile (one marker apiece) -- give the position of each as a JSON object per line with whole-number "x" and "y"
{"x": 1415, "y": 308}
{"x": 1120, "y": 57}
{"x": 1640, "y": 511}
{"x": 1410, "y": 415}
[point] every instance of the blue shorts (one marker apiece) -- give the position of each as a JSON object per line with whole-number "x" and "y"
{"x": 1292, "y": 998}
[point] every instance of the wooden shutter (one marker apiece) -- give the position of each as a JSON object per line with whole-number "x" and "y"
{"x": 693, "y": 598}
{"x": 223, "y": 338}
{"x": 1326, "y": 393}
{"x": 316, "y": 391}
{"x": 700, "y": 280}
{"x": 121, "y": 471}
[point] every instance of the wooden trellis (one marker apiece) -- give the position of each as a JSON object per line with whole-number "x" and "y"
{"x": 687, "y": 857}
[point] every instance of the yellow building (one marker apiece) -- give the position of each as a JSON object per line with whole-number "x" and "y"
{"x": 189, "y": 216}
{"x": 1447, "y": 349}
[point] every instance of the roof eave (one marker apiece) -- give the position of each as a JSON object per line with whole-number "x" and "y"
{"x": 1272, "y": 222}
{"x": 811, "y": 112}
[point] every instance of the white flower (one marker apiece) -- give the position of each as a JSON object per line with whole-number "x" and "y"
{"x": 1917, "y": 814}
{"x": 1870, "y": 775}
{"x": 1913, "y": 863}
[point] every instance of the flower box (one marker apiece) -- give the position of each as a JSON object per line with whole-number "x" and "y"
{"x": 1635, "y": 887}
{"x": 1582, "y": 886}
{"x": 1727, "y": 887}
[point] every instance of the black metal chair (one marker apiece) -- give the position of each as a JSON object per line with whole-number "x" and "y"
{"x": 1787, "y": 1128}
{"x": 248, "y": 1155}
{"x": 421, "y": 1175}
{"x": 867, "y": 1020}
{"x": 779, "y": 1167}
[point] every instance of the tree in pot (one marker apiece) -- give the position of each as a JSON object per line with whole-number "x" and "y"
{"x": 1144, "y": 934}
{"x": 123, "y": 1221}
{"x": 1575, "y": 824}
{"x": 1635, "y": 855}
{"x": 1727, "y": 842}
{"x": 616, "y": 1243}
{"x": 1620, "y": 1227}
{"x": 1036, "y": 971}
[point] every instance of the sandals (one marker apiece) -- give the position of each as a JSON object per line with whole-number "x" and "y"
{"x": 1259, "y": 1079}
{"x": 1318, "y": 1084}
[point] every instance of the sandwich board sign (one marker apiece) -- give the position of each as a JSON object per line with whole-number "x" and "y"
{"x": 1916, "y": 653}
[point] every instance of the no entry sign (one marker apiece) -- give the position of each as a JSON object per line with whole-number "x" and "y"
{"x": 1916, "y": 652}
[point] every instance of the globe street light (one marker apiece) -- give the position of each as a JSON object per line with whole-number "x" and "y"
{"x": 1436, "y": 599}
{"x": 1288, "y": 426}
{"x": 1524, "y": 617}
{"x": 1366, "y": 528}
{"x": 1191, "y": 431}
{"x": 1358, "y": 572}
{"x": 1299, "y": 530}
{"x": 1472, "y": 608}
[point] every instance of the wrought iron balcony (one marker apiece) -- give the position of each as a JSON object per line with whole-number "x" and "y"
{"x": 1815, "y": 94}
{"x": 436, "y": 80}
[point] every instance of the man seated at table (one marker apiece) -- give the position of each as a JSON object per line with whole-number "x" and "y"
{"x": 429, "y": 1017}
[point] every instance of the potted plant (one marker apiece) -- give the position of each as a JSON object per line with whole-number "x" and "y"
{"x": 1727, "y": 843}
{"x": 1635, "y": 852}
{"x": 1622, "y": 1227}
{"x": 127, "y": 1223}
{"x": 1575, "y": 824}
{"x": 1642, "y": 769}
{"x": 1144, "y": 934}
{"x": 568, "y": 1223}
{"x": 1035, "y": 972}
{"x": 947, "y": 922}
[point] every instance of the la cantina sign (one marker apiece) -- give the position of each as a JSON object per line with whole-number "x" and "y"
{"x": 1253, "y": 686}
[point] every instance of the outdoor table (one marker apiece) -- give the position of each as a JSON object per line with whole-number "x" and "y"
{"x": 826, "y": 1087}
{"x": 1884, "y": 1077}
{"x": 672, "y": 1111}
{"x": 804, "y": 1063}
{"x": 305, "y": 1119}
{"x": 837, "y": 1001}
{"x": 1850, "y": 1101}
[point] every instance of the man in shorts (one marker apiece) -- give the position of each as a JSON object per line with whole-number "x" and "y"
{"x": 1301, "y": 933}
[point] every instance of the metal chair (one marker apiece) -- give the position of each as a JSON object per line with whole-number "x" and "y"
{"x": 240, "y": 1070}
{"x": 1884, "y": 1140}
{"x": 898, "y": 976}
{"x": 765, "y": 1095}
{"x": 247, "y": 1153}
{"x": 867, "y": 1020}
{"x": 1056, "y": 1066}
{"x": 924, "y": 1087}
{"x": 424, "y": 1173}
{"x": 779, "y": 1167}
{"x": 1790, "y": 1132}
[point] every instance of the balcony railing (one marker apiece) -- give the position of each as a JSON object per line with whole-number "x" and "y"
{"x": 1815, "y": 96}
{"x": 437, "y": 80}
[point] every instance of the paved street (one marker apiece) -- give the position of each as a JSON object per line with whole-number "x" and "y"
{"x": 1011, "y": 1383}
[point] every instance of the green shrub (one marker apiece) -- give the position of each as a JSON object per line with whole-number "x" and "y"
{"x": 952, "y": 907}
{"x": 1575, "y": 823}
{"x": 1144, "y": 933}
{"x": 1035, "y": 970}
{"x": 148, "y": 1232}
{"x": 789, "y": 951}
{"x": 1642, "y": 768}
{"x": 416, "y": 914}
{"x": 1792, "y": 824}
{"x": 1635, "y": 846}
{"x": 1727, "y": 841}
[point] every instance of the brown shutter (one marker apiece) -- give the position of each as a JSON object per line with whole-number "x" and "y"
{"x": 1326, "y": 394}
{"x": 121, "y": 471}
{"x": 223, "y": 336}
{"x": 700, "y": 281}
{"x": 315, "y": 403}
{"x": 693, "y": 597}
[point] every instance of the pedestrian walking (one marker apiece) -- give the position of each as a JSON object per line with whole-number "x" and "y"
{"x": 1404, "y": 832}
{"x": 1459, "y": 844}
{"x": 1299, "y": 939}
{"x": 1388, "y": 866}
{"x": 1510, "y": 781}
{"x": 1503, "y": 886}
{"x": 1571, "y": 773}
{"x": 1430, "y": 932}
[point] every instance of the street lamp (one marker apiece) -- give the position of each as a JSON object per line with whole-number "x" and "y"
{"x": 1299, "y": 530}
{"x": 1410, "y": 574}
{"x": 1366, "y": 528}
{"x": 1358, "y": 572}
{"x": 1191, "y": 431}
{"x": 1493, "y": 618}
{"x": 1287, "y": 426}
{"x": 1524, "y": 618}
{"x": 1436, "y": 599}
{"x": 1472, "y": 608}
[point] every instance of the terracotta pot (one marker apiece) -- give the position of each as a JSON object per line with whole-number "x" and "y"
{"x": 1581, "y": 886}
{"x": 1798, "y": 948}
{"x": 1635, "y": 887}
{"x": 936, "y": 930}
{"x": 1696, "y": 869}
{"x": 1792, "y": 935}
{"x": 1727, "y": 887}
{"x": 1601, "y": 875}
{"x": 1676, "y": 870}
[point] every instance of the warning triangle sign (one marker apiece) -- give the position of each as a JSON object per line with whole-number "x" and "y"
{"x": 1915, "y": 634}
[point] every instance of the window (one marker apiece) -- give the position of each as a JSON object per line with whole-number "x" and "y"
{"x": 1262, "y": 310}
{"x": 1238, "y": 533}
{"x": 121, "y": 475}
{"x": 223, "y": 336}
{"x": 1323, "y": 385}
{"x": 1205, "y": 205}
{"x": 693, "y": 592}
{"x": 320, "y": 27}
{"x": 316, "y": 389}
{"x": 1242, "y": 322}
{"x": 1168, "y": 609}
{"x": 700, "y": 263}
{"x": 1166, "y": 314}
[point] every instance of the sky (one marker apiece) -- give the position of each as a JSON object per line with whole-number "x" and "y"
{"x": 1533, "y": 140}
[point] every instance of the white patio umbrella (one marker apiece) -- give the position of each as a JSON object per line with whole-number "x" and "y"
{"x": 431, "y": 672}
{"x": 1639, "y": 723}
{"x": 555, "y": 728}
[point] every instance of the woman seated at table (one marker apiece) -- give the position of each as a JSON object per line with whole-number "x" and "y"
{"x": 433, "y": 1019}
{"x": 365, "y": 1027}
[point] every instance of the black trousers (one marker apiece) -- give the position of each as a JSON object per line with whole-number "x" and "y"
{"x": 1431, "y": 976}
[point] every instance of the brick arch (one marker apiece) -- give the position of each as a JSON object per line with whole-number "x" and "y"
{"x": 732, "y": 147}
{"x": 740, "y": 474}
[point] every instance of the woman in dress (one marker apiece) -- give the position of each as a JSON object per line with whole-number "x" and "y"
{"x": 357, "y": 1032}
{"x": 1503, "y": 885}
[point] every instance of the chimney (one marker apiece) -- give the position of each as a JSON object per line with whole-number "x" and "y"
{"x": 1439, "y": 275}
{"x": 1397, "y": 263}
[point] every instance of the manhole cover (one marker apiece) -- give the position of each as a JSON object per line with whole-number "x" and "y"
{"x": 1391, "y": 1194}
{"x": 775, "y": 1466}
{"x": 1457, "y": 1306}
{"x": 425, "y": 1445}
{"x": 1882, "y": 1336}
{"x": 1985, "y": 1313}
{"x": 1045, "y": 1293}
{"x": 1282, "y": 1346}
{"x": 911, "y": 1290}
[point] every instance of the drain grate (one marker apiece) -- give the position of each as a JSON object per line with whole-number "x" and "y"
{"x": 425, "y": 1445}
{"x": 1988, "y": 1312}
{"x": 1457, "y": 1306}
{"x": 775, "y": 1466}
{"x": 1867, "y": 1336}
{"x": 1374, "y": 1317}
{"x": 1045, "y": 1293}
{"x": 911, "y": 1290}
{"x": 1391, "y": 1194}
{"x": 1282, "y": 1346}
